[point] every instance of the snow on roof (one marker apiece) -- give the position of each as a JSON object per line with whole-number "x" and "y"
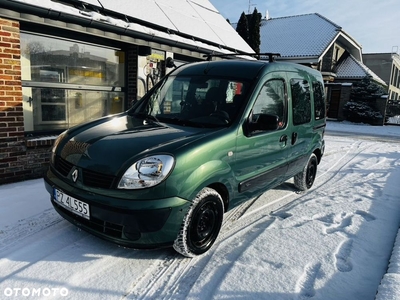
{"x": 351, "y": 68}
{"x": 183, "y": 21}
{"x": 298, "y": 36}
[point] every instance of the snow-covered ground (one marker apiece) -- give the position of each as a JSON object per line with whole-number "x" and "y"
{"x": 333, "y": 242}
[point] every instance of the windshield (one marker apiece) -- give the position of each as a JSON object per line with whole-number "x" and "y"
{"x": 198, "y": 101}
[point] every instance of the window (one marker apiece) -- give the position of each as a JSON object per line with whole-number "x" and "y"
{"x": 272, "y": 101}
{"x": 319, "y": 100}
{"x": 301, "y": 101}
{"x": 395, "y": 77}
{"x": 202, "y": 100}
{"x": 398, "y": 78}
{"x": 66, "y": 82}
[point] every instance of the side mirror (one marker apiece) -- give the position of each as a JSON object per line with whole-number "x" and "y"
{"x": 263, "y": 122}
{"x": 169, "y": 63}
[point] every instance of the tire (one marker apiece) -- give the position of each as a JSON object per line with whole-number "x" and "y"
{"x": 305, "y": 179}
{"x": 201, "y": 224}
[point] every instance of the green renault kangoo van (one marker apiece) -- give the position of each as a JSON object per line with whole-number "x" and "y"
{"x": 207, "y": 137}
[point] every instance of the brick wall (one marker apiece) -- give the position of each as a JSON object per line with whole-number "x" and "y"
{"x": 19, "y": 159}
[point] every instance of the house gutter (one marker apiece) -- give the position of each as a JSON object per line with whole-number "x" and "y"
{"x": 312, "y": 60}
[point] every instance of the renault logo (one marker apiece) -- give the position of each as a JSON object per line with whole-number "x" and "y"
{"x": 74, "y": 175}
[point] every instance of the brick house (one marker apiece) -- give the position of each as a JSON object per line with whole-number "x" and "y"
{"x": 67, "y": 62}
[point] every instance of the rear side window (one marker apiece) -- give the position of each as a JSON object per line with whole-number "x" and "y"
{"x": 319, "y": 100}
{"x": 301, "y": 101}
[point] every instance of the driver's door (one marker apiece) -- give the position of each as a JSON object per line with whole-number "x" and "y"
{"x": 261, "y": 155}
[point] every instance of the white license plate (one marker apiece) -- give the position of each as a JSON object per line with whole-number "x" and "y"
{"x": 76, "y": 206}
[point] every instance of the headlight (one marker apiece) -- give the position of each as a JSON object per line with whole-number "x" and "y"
{"x": 147, "y": 172}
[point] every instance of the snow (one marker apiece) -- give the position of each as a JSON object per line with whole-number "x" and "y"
{"x": 336, "y": 241}
{"x": 207, "y": 23}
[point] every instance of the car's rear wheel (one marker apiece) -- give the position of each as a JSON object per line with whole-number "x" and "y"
{"x": 305, "y": 179}
{"x": 201, "y": 225}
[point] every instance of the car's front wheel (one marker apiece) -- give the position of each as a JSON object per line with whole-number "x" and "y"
{"x": 305, "y": 179}
{"x": 201, "y": 225}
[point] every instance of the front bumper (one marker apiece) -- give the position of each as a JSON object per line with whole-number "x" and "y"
{"x": 131, "y": 223}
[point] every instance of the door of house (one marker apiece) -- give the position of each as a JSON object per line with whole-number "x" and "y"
{"x": 334, "y": 104}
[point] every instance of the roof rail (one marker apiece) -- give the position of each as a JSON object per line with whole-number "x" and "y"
{"x": 271, "y": 56}
{"x": 227, "y": 55}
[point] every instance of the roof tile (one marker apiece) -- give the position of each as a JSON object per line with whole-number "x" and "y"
{"x": 298, "y": 36}
{"x": 351, "y": 68}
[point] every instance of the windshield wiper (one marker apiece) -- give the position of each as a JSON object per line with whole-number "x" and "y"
{"x": 178, "y": 121}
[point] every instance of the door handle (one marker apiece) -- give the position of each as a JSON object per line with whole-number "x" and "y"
{"x": 283, "y": 139}
{"x": 294, "y": 137}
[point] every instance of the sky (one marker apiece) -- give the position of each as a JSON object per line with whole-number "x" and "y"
{"x": 333, "y": 242}
{"x": 373, "y": 24}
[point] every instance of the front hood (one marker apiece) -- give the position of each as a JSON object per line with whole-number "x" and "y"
{"x": 109, "y": 144}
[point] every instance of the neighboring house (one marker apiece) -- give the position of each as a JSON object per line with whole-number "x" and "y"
{"x": 393, "y": 107}
{"x": 314, "y": 40}
{"x": 387, "y": 67}
{"x": 66, "y": 62}
{"x": 394, "y": 84}
{"x": 380, "y": 64}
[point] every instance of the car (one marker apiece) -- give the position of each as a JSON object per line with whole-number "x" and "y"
{"x": 207, "y": 137}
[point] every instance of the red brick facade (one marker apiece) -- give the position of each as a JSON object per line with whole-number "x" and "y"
{"x": 23, "y": 158}
{"x": 19, "y": 158}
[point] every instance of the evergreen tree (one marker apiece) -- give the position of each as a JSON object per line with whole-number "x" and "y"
{"x": 243, "y": 27}
{"x": 254, "y": 31}
{"x": 361, "y": 107}
{"x": 366, "y": 89}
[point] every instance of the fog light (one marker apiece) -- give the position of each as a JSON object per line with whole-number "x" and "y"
{"x": 130, "y": 233}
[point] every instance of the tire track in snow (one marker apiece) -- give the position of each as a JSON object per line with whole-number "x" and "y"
{"x": 19, "y": 258}
{"x": 28, "y": 227}
{"x": 163, "y": 277}
{"x": 359, "y": 163}
{"x": 332, "y": 179}
{"x": 232, "y": 247}
{"x": 238, "y": 223}
{"x": 331, "y": 174}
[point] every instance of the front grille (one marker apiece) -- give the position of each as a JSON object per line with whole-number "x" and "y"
{"x": 89, "y": 178}
{"x": 98, "y": 180}
{"x": 62, "y": 166}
